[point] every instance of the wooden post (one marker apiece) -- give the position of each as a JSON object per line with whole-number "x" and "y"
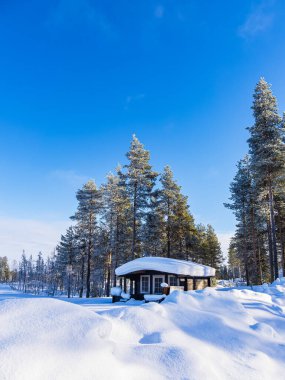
{"x": 185, "y": 284}
{"x": 209, "y": 281}
{"x": 125, "y": 284}
{"x": 194, "y": 283}
{"x": 151, "y": 283}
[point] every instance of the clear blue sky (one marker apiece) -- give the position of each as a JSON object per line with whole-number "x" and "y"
{"x": 79, "y": 77}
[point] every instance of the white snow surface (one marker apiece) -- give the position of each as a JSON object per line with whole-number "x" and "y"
{"x": 210, "y": 334}
{"x": 163, "y": 264}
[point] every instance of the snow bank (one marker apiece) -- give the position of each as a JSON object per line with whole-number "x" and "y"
{"x": 212, "y": 334}
{"x": 49, "y": 339}
{"x": 187, "y": 268}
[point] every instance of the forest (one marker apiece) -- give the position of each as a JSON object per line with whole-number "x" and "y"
{"x": 140, "y": 212}
{"x": 137, "y": 212}
{"x": 258, "y": 195}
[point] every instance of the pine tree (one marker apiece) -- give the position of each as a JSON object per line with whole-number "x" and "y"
{"x": 39, "y": 271}
{"x": 244, "y": 205}
{"x": 233, "y": 261}
{"x": 179, "y": 228}
{"x": 153, "y": 230}
{"x": 89, "y": 205}
{"x": 213, "y": 254}
{"x": 116, "y": 225}
{"x": 4, "y": 269}
{"x": 139, "y": 180}
{"x": 169, "y": 195}
{"x": 67, "y": 254}
{"x": 267, "y": 154}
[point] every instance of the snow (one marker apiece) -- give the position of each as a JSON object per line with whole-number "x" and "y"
{"x": 116, "y": 291}
{"x": 212, "y": 333}
{"x": 162, "y": 264}
{"x": 126, "y": 296}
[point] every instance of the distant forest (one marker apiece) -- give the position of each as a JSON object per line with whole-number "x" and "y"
{"x": 137, "y": 212}
{"x": 258, "y": 195}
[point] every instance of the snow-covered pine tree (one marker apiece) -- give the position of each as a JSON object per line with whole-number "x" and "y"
{"x": 178, "y": 224}
{"x": 244, "y": 204}
{"x": 89, "y": 206}
{"x": 4, "y": 269}
{"x": 116, "y": 216}
{"x": 153, "y": 229}
{"x": 267, "y": 154}
{"x": 67, "y": 254}
{"x": 234, "y": 261}
{"x": 139, "y": 180}
{"x": 213, "y": 254}
{"x": 169, "y": 194}
{"x": 39, "y": 272}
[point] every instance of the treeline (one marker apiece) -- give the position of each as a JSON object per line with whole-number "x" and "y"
{"x": 137, "y": 212}
{"x": 258, "y": 195}
{"x": 4, "y": 269}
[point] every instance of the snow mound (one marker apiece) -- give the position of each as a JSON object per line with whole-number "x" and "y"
{"x": 49, "y": 339}
{"x": 264, "y": 329}
{"x": 215, "y": 334}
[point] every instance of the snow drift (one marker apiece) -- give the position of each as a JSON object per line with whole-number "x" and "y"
{"x": 211, "y": 334}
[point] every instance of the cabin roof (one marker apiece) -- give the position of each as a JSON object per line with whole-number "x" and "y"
{"x": 163, "y": 264}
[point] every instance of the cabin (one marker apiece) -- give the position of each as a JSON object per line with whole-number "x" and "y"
{"x": 148, "y": 277}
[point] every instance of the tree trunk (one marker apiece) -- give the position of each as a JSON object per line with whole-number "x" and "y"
{"x": 246, "y": 274}
{"x": 270, "y": 251}
{"x": 82, "y": 277}
{"x": 108, "y": 282}
{"x": 273, "y": 232}
{"x": 68, "y": 288}
{"x": 116, "y": 253}
{"x": 168, "y": 229}
{"x": 88, "y": 269}
{"x": 281, "y": 240}
{"x": 134, "y": 224}
{"x": 254, "y": 240}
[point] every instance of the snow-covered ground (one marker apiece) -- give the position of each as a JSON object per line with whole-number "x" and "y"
{"x": 209, "y": 334}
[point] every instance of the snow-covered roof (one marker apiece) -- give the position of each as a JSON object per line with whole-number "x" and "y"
{"x": 163, "y": 264}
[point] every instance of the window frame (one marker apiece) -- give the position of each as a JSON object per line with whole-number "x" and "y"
{"x": 172, "y": 276}
{"x": 148, "y": 277}
{"x": 153, "y": 282}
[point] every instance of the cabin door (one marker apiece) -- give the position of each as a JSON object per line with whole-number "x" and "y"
{"x": 158, "y": 279}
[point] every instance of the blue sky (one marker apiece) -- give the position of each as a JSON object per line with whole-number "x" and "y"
{"x": 79, "y": 77}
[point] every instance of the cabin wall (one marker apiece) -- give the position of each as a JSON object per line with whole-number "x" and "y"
{"x": 188, "y": 283}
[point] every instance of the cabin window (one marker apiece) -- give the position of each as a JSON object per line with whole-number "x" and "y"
{"x": 145, "y": 284}
{"x": 157, "y": 281}
{"x": 190, "y": 284}
{"x": 201, "y": 283}
{"x": 172, "y": 280}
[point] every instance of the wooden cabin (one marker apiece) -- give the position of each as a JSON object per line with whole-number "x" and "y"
{"x": 160, "y": 275}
